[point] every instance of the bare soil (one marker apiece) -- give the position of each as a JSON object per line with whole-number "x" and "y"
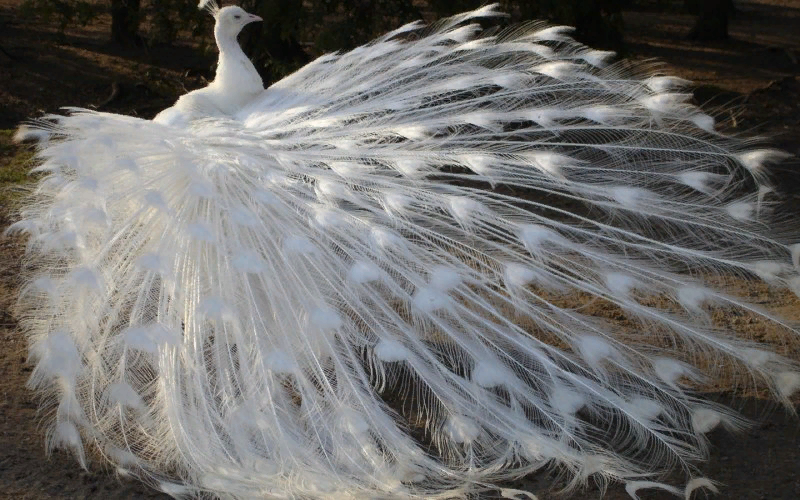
{"x": 755, "y": 74}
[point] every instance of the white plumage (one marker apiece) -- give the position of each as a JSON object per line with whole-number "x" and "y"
{"x": 361, "y": 282}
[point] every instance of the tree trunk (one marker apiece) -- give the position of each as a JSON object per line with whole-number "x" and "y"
{"x": 125, "y": 22}
{"x": 712, "y": 19}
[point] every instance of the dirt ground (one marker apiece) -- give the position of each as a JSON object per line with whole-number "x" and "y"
{"x": 757, "y": 71}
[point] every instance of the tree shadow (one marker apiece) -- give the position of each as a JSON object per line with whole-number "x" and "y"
{"x": 83, "y": 69}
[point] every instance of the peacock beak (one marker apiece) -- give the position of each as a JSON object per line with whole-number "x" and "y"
{"x": 253, "y": 18}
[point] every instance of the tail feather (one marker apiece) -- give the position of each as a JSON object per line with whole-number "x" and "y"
{"x": 401, "y": 272}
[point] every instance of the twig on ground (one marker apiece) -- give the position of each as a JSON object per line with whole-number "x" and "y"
{"x": 114, "y": 95}
{"x": 7, "y": 53}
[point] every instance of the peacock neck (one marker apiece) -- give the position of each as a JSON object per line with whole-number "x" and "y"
{"x": 235, "y": 72}
{"x": 227, "y": 42}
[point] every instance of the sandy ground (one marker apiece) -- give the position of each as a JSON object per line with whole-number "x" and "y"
{"x": 758, "y": 71}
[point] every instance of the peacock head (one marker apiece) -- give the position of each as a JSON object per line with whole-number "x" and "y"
{"x": 231, "y": 19}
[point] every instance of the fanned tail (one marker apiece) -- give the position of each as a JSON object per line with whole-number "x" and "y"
{"x": 387, "y": 276}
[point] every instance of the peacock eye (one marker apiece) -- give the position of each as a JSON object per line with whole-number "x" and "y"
{"x": 237, "y": 17}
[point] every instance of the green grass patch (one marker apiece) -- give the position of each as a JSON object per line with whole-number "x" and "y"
{"x": 15, "y": 163}
{"x": 15, "y": 160}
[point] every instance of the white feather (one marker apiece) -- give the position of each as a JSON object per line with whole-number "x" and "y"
{"x": 343, "y": 286}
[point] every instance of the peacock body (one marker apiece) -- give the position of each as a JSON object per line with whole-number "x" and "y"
{"x": 361, "y": 281}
